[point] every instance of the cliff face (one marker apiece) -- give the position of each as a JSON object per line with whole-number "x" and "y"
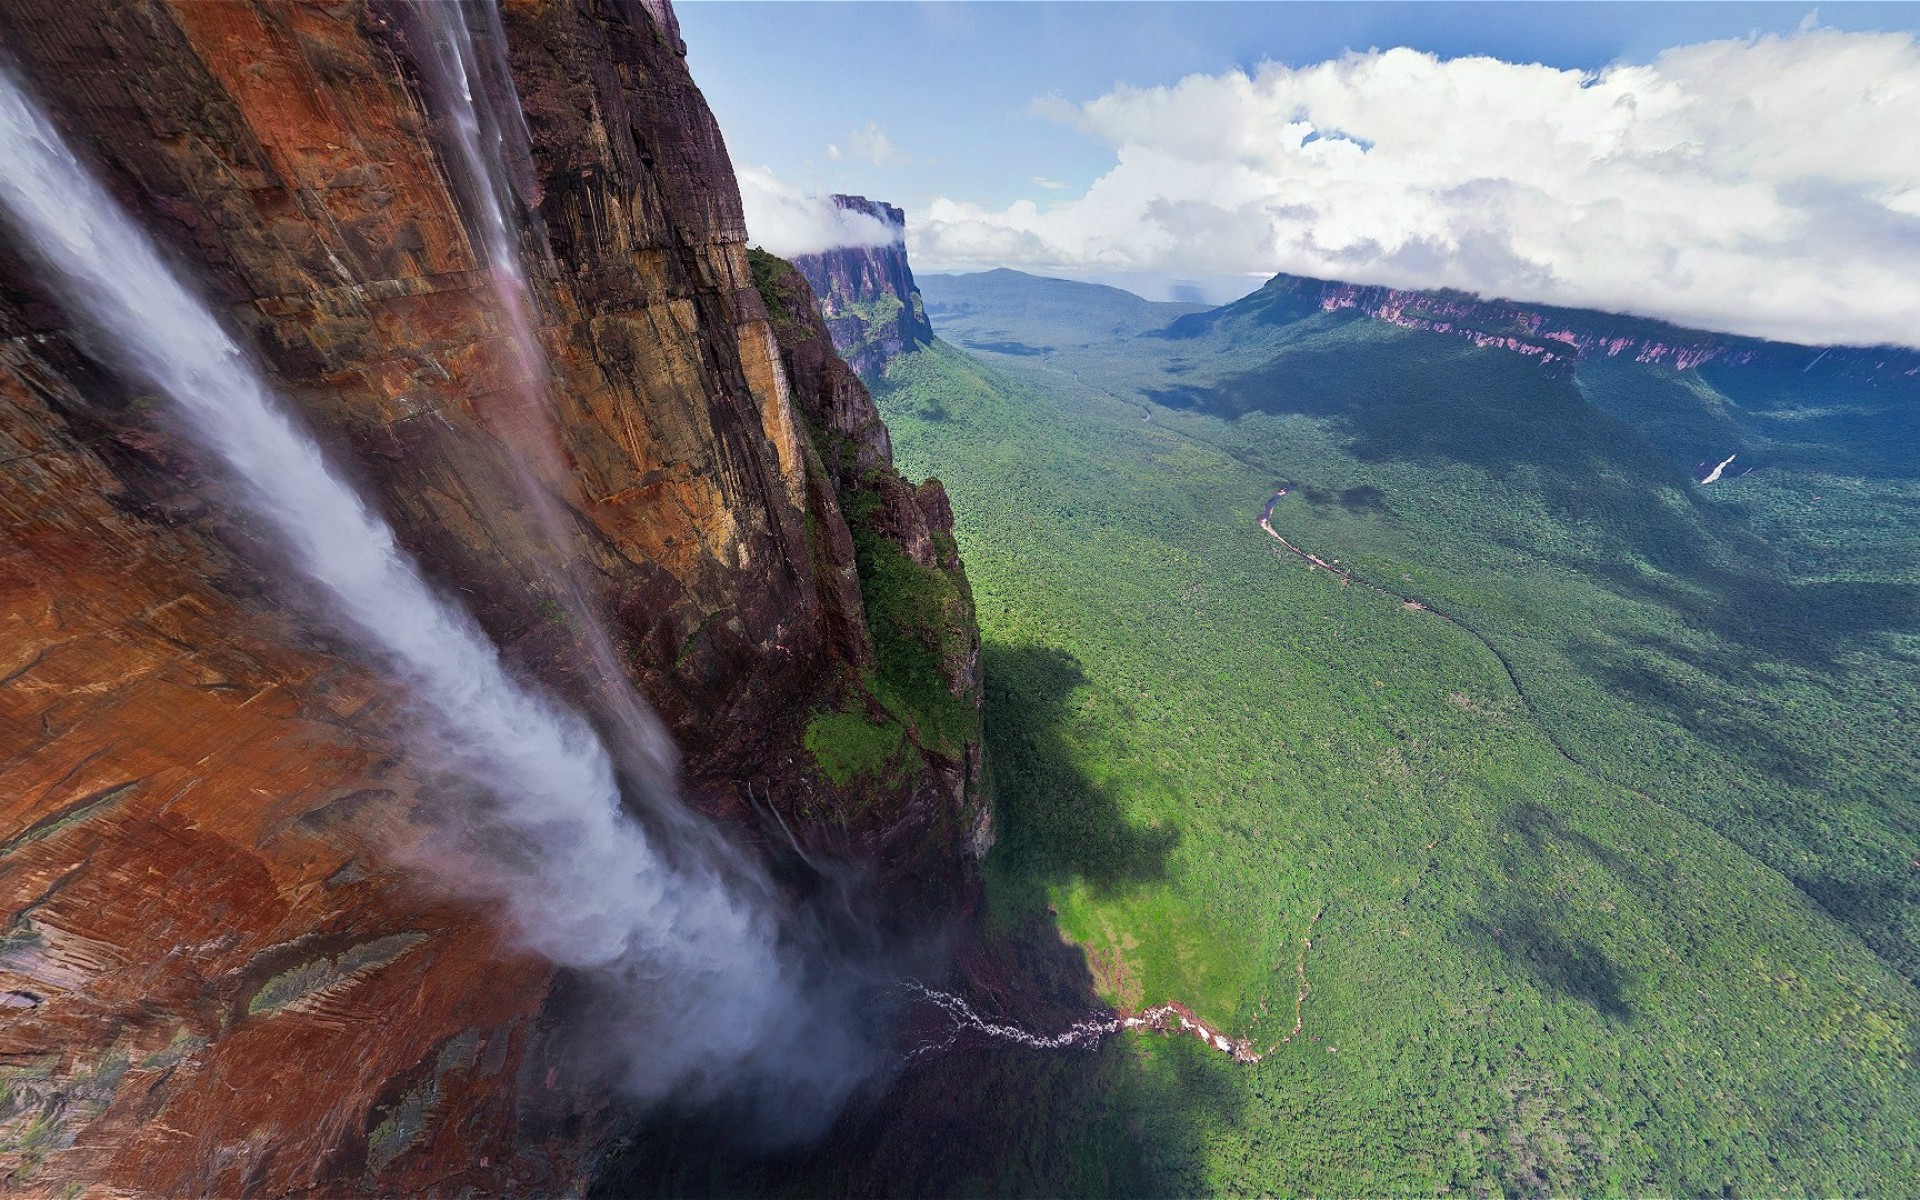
{"x": 1543, "y": 332}
{"x": 217, "y": 976}
{"x": 912, "y": 588}
{"x": 867, "y": 294}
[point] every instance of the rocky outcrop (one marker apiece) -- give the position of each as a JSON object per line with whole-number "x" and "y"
{"x": 219, "y": 977}
{"x": 912, "y": 590}
{"x": 867, "y": 294}
{"x": 1543, "y": 332}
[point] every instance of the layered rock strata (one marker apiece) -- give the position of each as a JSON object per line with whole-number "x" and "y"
{"x": 218, "y": 977}
{"x": 867, "y": 295}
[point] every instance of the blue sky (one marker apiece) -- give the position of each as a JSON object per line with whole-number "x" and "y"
{"x": 951, "y": 84}
{"x": 965, "y": 113}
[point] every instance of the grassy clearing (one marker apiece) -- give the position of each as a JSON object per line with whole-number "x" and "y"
{"x": 848, "y": 744}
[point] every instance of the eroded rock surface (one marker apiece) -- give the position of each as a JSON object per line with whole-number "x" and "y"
{"x": 867, "y": 295}
{"x": 215, "y": 976}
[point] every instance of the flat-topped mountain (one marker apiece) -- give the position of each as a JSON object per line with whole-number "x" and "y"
{"x": 867, "y": 294}
{"x": 1548, "y": 333}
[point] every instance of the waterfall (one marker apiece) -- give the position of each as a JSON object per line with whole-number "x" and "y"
{"x": 462, "y": 81}
{"x": 718, "y": 997}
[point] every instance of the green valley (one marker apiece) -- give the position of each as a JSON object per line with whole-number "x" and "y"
{"x": 1556, "y": 838}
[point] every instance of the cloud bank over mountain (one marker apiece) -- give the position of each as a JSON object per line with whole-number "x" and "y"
{"x": 788, "y": 220}
{"x": 1767, "y": 186}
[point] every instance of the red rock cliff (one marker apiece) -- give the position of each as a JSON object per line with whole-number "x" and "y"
{"x": 214, "y": 978}
{"x": 867, "y": 295}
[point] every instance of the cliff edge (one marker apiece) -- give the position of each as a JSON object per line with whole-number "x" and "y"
{"x": 221, "y": 973}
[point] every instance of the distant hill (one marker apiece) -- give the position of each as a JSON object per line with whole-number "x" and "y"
{"x": 1545, "y": 332}
{"x": 1695, "y": 394}
{"x": 1011, "y": 312}
{"x": 1544, "y": 818}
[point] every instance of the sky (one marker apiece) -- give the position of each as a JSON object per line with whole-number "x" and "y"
{"x": 1746, "y": 167}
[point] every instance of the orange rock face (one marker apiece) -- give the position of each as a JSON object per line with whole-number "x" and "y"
{"x": 213, "y": 982}
{"x": 215, "y": 977}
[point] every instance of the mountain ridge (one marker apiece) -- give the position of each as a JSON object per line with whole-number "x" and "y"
{"x": 1548, "y": 333}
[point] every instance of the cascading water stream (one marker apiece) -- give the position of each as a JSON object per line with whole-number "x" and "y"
{"x": 693, "y": 945}
{"x": 485, "y": 135}
{"x": 709, "y": 993}
{"x": 1084, "y": 1034}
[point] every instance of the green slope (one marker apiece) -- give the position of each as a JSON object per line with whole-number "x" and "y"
{"x": 1748, "y": 653}
{"x": 1604, "y": 855}
{"x": 984, "y": 310}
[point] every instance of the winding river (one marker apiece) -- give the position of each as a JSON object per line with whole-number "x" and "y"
{"x": 1346, "y": 576}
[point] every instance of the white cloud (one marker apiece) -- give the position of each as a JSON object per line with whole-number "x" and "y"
{"x": 1769, "y": 186}
{"x": 788, "y": 221}
{"x": 1052, "y": 185}
{"x": 872, "y": 144}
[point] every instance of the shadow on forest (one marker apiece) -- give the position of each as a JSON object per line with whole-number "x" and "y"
{"x": 1837, "y": 421}
{"x": 1362, "y": 499}
{"x": 1606, "y": 456}
{"x": 1055, "y": 824}
{"x": 991, "y": 1118}
{"x": 1525, "y": 922}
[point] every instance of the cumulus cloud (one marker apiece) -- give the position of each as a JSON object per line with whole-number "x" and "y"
{"x": 788, "y": 221}
{"x": 1767, "y": 186}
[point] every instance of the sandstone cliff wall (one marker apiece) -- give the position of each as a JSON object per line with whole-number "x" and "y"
{"x": 215, "y": 977}
{"x": 866, "y": 294}
{"x": 912, "y": 588}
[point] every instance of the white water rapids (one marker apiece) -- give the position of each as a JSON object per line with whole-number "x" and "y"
{"x": 1713, "y": 476}
{"x": 1084, "y": 1034}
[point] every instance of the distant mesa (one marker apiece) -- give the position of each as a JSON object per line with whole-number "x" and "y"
{"x": 867, "y": 294}
{"x": 1546, "y": 333}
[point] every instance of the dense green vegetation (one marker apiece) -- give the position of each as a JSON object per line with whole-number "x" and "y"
{"x": 918, "y": 615}
{"x": 920, "y": 620}
{"x": 1527, "y": 975}
{"x": 1637, "y": 925}
{"x": 848, "y": 744}
{"x": 1746, "y": 653}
